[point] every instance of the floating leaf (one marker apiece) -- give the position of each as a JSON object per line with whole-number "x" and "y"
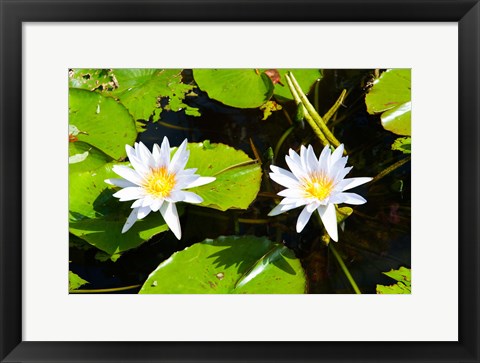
{"x": 306, "y": 78}
{"x": 268, "y": 108}
{"x": 403, "y": 144}
{"x": 391, "y": 95}
{"x": 242, "y": 88}
{"x": 75, "y": 281}
{"x": 91, "y": 79}
{"x": 141, "y": 89}
{"x": 229, "y": 265}
{"x": 102, "y": 122}
{"x": 403, "y": 286}
{"x": 98, "y": 218}
{"x": 237, "y": 176}
{"x": 83, "y": 157}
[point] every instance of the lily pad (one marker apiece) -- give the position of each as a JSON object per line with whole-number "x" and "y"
{"x": 403, "y": 286}
{"x": 403, "y": 144}
{"x": 98, "y": 218}
{"x": 391, "y": 95}
{"x": 238, "y": 177}
{"x": 241, "y": 88}
{"x": 75, "y": 281}
{"x": 91, "y": 79}
{"x": 141, "y": 89}
{"x": 84, "y": 157}
{"x": 102, "y": 122}
{"x": 306, "y": 78}
{"x": 229, "y": 265}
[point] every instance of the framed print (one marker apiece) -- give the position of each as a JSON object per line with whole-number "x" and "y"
{"x": 262, "y": 181}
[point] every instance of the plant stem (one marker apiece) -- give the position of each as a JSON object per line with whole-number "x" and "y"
{"x": 391, "y": 168}
{"x": 335, "y": 107}
{"x": 311, "y": 110}
{"x": 344, "y": 269}
{"x": 281, "y": 140}
{"x": 309, "y": 119}
{"x": 93, "y": 291}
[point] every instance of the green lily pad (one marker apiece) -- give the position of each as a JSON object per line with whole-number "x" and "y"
{"x": 140, "y": 90}
{"x": 91, "y": 79}
{"x": 398, "y": 119}
{"x": 403, "y": 286}
{"x": 391, "y": 95}
{"x": 98, "y": 218}
{"x": 306, "y": 78}
{"x": 102, "y": 122}
{"x": 84, "y": 157}
{"x": 75, "y": 281}
{"x": 403, "y": 144}
{"x": 241, "y": 88}
{"x": 229, "y": 265}
{"x": 237, "y": 176}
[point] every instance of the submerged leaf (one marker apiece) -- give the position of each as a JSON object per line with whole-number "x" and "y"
{"x": 229, "y": 265}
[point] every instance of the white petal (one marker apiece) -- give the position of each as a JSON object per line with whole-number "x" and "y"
{"x": 292, "y": 193}
{"x": 283, "y": 177}
{"x": 295, "y": 201}
{"x": 329, "y": 219}
{"x": 138, "y": 203}
{"x": 336, "y": 168}
{"x": 324, "y": 158}
{"x": 165, "y": 153}
{"x": 201, "y": 181}
{"x": 295, "y": 157}
{"x": 296, "y": 167}
{"x": 349, "y": 198}
{"x": 132, "y": 218}
{"x": 147, "y": 200}
{"x": 130, "y": 193}
{"x": 143, "y": 212}
{"x": 336, "y": 155}
{"x": 303, "y": 157}
{"x": 303, "y": 219}
{"x": 342, "y": 174}
{"x": 351, "y": 183}
{"x": 145, "y": 155}
{"x": 140, "y": 168}
{"x": 179, "y": 160}
{"x": 190, "y": 197}
{"x": 128, "y": 173}
{"x": 187, "y": 172}
{"x": 156, "y": 204}
{"x": 170, "y": 215}
{"x": 122, "y": 183}
{"x": 281, "y": 208}
{"x": 311, "y": 159}
{"x": 156, "y": 155}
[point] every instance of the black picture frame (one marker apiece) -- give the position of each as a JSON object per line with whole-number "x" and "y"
{"x": 15, "y": 12}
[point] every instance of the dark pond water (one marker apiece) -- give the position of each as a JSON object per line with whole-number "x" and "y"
{"x": 376, "y": 236}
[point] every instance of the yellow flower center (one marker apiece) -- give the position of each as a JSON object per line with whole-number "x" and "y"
{"x": 159, "y": 182}
{"x": 318, "y": 186}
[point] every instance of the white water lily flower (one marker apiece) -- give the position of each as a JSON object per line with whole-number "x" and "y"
{"x": 317, "y": 184}
{"x": 156, "y": 183}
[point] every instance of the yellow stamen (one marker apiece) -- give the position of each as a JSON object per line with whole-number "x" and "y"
{"x": 318, "y": 186}
{"x": 159, "y": 182}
